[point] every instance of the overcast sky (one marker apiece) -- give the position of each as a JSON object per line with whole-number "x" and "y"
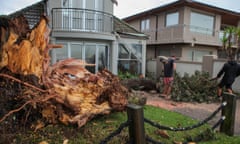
{"x": 124, "y": 8}
{"x": 130, "y": 7}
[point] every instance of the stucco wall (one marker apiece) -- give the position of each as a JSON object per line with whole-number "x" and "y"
{"x": 188, "y": 67}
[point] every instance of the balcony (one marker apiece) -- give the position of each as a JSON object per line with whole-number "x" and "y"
{"x": 81, "y": 20}
{"x": 184, "y": 34}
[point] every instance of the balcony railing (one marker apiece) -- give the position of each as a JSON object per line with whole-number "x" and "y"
{"x": 76, "y": 19}
{"x": 200, "y": 30}
{"x": 184, "y": 33}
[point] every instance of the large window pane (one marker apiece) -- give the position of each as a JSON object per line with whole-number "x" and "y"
{"x": 197, "y": 55}
{"x": 61, "y": 53}
{"x": 92, "y": 53}
{"x": 77, "y": 3}
{"x": 132, "y": 66}
{"x": 76, "y": 51}
{"x": 172, "y": 19}
{"x": 124, "y": 53}
{"x": 90, "y": 57}
{"x": 90, "y": 4}
{"x": 201, "y": 23}
{"x": 99, "y": 5}
{"x": 102, "y": 57}
{"x": 136, "y": 51}
{"x": 130, "y": 58}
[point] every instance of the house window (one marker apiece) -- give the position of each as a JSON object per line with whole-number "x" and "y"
{"x": 76, "y": 51}
{"x": 61, "y": 53}
{"x": 96, "y": 54}
{"x": 69, "y": 50}
{"x": 201, "y": 23}
{"x": 172, "y": 19}
{"x": 130, "y": 58}
{"x": 87, "y": 20}
{"x": 197, "y": 55}
{"x": 145, "y": 24}
{"x": 92, "y": 53}
{"x": 90, "y": 56}
{"x": 102, "y": 57}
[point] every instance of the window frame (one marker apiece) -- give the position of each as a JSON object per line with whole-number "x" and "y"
{"x": 145, "y": 24}
{"x": 200, "y": 28}
{"x": 128, "y": 60}
{"x": 176, "y": 22}
{"x": 83, "y": 45}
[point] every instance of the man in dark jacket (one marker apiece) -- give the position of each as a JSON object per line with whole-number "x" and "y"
{"x": 230, "y": 70}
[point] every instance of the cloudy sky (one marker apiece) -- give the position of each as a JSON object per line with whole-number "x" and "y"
{"x": 124, "y": 8}
{"x": 129, "y": 7}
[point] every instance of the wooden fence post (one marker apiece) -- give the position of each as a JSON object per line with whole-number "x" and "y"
{"x": 229, "y": 111}
{"x": 136, "y": 126}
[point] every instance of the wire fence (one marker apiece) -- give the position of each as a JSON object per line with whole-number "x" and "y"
{"x": 162, "y": 127}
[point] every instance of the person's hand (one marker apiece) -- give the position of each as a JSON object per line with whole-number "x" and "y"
{"x": 215, "y": 78}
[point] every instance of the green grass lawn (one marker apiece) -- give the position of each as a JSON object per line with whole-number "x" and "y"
{"x": 100, "y": 127}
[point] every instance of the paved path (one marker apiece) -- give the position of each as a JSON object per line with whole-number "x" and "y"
{"x": 198, "y": 111}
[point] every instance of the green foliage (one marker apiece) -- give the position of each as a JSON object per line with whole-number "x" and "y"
{"x": 230, "y": 35}
{"x": 223, "y": 139}
{"x": 206, "y": 135}
{"x": 194, "y": 88}
{"x": 150, "y": 75}
{"x": 126, "y": 75}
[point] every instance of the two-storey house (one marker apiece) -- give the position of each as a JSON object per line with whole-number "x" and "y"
{"x": 88, "y": 30}
{"x": 185, "y": 28}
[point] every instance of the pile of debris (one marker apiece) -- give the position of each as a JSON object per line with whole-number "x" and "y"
{"x": 194, "y": 88}
{"x": 64, "y": 92}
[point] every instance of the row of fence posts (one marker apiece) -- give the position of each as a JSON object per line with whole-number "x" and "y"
{"x": 136, "y": 119}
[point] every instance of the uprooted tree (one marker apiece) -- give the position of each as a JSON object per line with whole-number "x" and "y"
{"x": 64, "y": 92}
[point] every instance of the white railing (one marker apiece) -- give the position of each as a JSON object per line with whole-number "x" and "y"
{"x": 75, "y": 19}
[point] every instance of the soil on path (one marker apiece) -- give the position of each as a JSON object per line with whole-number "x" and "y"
{"x": 198, "y": 111}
